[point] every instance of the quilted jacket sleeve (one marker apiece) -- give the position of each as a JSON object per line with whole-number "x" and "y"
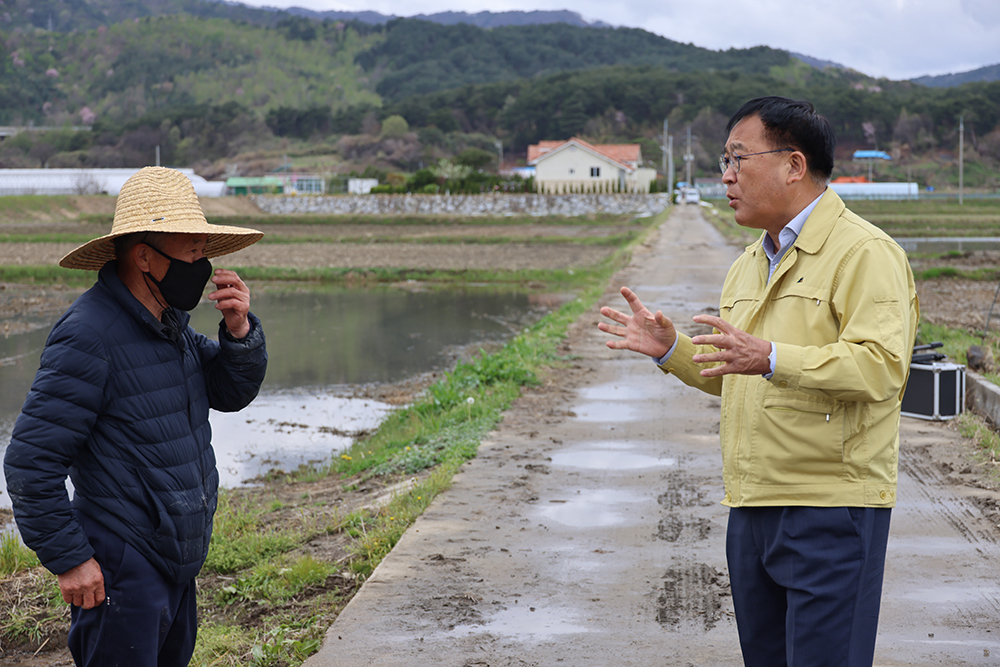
{"x": 58, "y": 414}
{"x": 234, "y": 369}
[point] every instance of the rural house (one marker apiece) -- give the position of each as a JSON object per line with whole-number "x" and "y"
{"x": 578, "y": 166}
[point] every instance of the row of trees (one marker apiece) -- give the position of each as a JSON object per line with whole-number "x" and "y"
{"x": 454, "y": 177}
{"x": 640, "y": 98}
{"x": 192, "y": 135}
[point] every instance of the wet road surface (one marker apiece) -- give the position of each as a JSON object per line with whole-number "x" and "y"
{"x": 588, "y": 531}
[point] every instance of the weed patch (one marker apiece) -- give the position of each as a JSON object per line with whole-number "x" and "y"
{"x": 986, "y": 441}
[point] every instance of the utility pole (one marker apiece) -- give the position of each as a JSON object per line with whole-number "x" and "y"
{"x": 499, "y": 145}
{"x": 670, "y": 166}
{"x": 688, "y": 158}
{"x": 663, "y": 146}
{"x": 961, "y": 157}
{"x": 668, "y": 159}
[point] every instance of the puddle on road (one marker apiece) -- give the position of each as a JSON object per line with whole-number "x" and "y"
{"x": 921, "y": 545}
{"x": 609, "y": 460}
{"x": 951, "y": 594}
{"x": 606, "y": 412}
{"x": 525, "y": 621}
{"x": 613, "y": 392}
{"x": 593, "y": 510}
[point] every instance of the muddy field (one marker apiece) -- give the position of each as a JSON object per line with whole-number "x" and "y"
{"x": 946, "y": 301}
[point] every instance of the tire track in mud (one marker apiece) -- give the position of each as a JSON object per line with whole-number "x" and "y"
{"x": 962, "y": 515}
{"x": 943, "y": 555}
{"x": 690, "y": 599}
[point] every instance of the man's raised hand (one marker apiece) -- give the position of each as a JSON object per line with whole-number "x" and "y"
{"x": 642, "y": 331}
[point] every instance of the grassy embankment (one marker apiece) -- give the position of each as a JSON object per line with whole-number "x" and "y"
{"x": 265, "y": 598}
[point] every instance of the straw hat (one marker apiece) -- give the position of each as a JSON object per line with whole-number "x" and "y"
{"x": 157, "y": 199}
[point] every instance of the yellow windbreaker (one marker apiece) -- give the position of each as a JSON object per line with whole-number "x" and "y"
{"x": 842, "y": 310}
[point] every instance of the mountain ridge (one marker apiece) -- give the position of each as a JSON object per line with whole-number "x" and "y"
{"x": 980, "y": 74}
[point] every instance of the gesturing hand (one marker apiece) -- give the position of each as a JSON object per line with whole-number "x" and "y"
{"x": 233, "y": 298}
{"x": 739, "y": 352}
{"x": 643, "y": 332}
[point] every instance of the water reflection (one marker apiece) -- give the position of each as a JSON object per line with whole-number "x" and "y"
{"x": 350, "y": 336}
{"x": 320, "y": 341}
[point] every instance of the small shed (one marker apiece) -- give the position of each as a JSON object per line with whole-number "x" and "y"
{"x": 361, "y": 186}
{"x": 870, "y": 157}
{"x": 255, "y": 185}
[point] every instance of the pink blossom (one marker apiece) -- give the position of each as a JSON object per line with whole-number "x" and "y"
{"x": 52, "y": 72}
{"x": 87, "y": 116}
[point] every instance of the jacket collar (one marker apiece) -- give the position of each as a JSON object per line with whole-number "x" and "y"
{"x": 109, "y": 280}
{"x": 820, "y": 223}
{"x": 817, "y": 227}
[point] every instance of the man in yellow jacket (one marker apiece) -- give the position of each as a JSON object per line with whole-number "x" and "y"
{"x": 810, "y": 355}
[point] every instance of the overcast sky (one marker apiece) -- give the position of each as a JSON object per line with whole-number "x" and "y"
{"x": 899, "y": 39}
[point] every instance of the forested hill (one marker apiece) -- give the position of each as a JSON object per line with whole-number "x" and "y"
{"x": 207, "y": 88}
{"x": 83, "y": 15}
{"x": 71, "y": 15}
{"x": 421, "y": 57}
{"x": 118, "y": 73}
{"x": 480, "y": 19}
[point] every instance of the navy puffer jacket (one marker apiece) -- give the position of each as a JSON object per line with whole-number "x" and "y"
{"x": 121, "y": 405}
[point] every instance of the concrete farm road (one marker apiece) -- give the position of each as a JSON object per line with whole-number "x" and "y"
{"x": 588, "y": 531}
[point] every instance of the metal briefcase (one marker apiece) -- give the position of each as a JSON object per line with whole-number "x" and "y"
{"x": 935, "y": 391}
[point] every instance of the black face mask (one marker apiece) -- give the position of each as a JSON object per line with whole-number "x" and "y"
{"x": 184, "y": 282}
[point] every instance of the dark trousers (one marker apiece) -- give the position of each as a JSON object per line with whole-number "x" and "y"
{"x": 145, "y": 620}
{"x": 807, "y": 583}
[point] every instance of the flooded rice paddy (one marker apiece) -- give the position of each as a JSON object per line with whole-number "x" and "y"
{"x": 323, "y": 345}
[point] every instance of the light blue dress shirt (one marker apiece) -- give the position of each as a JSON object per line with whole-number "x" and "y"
{"x": 786, "y": 237}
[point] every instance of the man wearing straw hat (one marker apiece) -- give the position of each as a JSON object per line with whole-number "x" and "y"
{"x": 120, "y": 406}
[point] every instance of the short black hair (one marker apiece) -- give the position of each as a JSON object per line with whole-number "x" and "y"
{"x": 795, "y": 124}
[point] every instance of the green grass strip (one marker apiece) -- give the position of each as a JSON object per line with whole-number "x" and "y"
{"x": 936, "y": 272}
{"x": 46, "y": 274}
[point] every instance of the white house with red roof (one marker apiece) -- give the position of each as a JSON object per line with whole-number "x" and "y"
{"x": 578, "y": 166}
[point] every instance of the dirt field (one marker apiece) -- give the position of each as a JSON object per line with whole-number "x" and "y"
{"x": 946, "y": 301}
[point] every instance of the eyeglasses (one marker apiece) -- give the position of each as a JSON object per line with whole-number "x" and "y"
{"x": 727, "y": 161}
